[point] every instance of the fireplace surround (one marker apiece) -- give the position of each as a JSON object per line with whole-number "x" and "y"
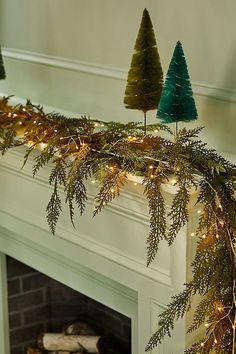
{"x": 103, "y": 258}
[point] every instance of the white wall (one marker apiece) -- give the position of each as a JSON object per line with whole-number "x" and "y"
{"x": 102, "y": 33}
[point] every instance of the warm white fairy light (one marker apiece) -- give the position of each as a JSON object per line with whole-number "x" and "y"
{"x": 192, "y": 234}
{"x": 93, "y": 181}
{"x": 217, "y": 236}
{"x": 102, "y": 125}
{"x": 199, "y": 211}
{"x": 23, "y": 109}
{"x": 60, "y": 155}
{"x": 112, "y": 190}
{"x": 55, "y": 130}
{"x": 20, "y": 123}
{"x": 135, "y": 184}
{"x": 61, "y": 138}
{"x": 173, "y": 181}
{"x": 203, "y": 236}
{"x": 14, "y": 115}
{"x": 34, "y": 121}
{"x": 9, "y": 114}
{"x": 42, "y": 146}
{"x": 152, "y": 176}
{"x": 141, "y": 141}
{"x": 150, "y": 167}
{"x": 76, "y": 146}
{"x": 215, "y": 341}
{"x": 202, "y": 344}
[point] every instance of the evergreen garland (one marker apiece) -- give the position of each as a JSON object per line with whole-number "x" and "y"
{"x": 108, "y": 151}
{"x": 177, "y": 102}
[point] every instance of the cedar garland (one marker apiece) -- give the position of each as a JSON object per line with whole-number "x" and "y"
{"x": 108, "y": 151}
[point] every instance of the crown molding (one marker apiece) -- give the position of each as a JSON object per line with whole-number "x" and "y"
{"x": 201, "y": 89}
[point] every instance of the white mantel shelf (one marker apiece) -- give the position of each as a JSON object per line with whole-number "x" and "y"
{"x": 103, "y": 258}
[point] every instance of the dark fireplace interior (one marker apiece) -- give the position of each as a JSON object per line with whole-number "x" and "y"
{"x": 38, "y": 304}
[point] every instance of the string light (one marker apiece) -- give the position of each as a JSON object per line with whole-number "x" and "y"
{"x": 199, "y": 211}
{"x": 20, "y": 123}
{"x": 14, "y": 115}
{"x": 152, "y": 176}
{"x": 192, "y": 234}
{"x": 217, "y": 236}
{"x": 76, "y": 146}
{"x": 202, "y": 344}
{"x": 23, "y": 109}
{"x": 9, "y": 114}
{"x": 173, "y": 181}
{"x": 215, "y": 341}
{"x": 203, "y": 236}
{"x": 42, "y": 146}
{"x": 34, "y": 121}
{"x": 141, "y": 141}
{"x": 55, "y": 130}
{"x": 150, "y": 167}
{"x": 135, "y": 184}
{"x": 93, "y": 181}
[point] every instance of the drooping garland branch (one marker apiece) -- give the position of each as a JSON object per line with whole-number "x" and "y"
{"x": 82, "y": 148}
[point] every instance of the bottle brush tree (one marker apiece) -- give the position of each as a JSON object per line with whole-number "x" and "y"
{"x": 2, "y": 69}
{"x": 145, "y": 77}
{"x": 177, "y": 102}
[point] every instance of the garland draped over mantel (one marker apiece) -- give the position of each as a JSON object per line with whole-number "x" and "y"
{"x": 78, "y": 149}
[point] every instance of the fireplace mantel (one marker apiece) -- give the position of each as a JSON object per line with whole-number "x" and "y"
{"x": 104, "y": 257}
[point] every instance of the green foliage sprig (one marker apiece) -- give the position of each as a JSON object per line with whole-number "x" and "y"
{"x": 81, "y": 148}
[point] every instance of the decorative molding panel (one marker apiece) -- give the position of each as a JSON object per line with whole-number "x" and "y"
{"x": 10, "y": 166}
{"x": 201, "y": 89}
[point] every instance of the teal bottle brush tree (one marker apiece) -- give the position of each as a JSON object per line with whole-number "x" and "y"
{"x": 2, "y": 69}
{"x": 145, "y": 77}
{"x": 177, "y": 102}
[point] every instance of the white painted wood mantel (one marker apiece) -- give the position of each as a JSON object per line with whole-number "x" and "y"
{"x": 103, "y": 258}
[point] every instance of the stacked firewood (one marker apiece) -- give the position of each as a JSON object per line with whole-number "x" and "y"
{"x": 76, "y": 338}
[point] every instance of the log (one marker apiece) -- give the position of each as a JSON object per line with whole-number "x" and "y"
{"x": 81, "y": 328}
{"x": 70, "y": 343}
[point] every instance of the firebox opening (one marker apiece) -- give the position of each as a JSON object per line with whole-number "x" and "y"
{"x": 39, "y": 304}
